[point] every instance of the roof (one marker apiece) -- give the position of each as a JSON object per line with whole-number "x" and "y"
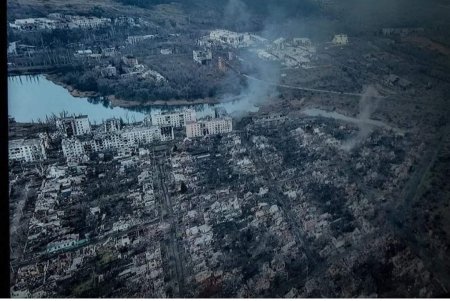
{"x": 23, "y": 142}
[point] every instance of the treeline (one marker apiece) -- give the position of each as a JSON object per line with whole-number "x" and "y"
{"x": 144, "y": 3}
{"x": 265, "y": 8}
{"x": 189, "y": 84}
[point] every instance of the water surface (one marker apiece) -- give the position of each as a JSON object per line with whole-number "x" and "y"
{"x": 33, "y": 98}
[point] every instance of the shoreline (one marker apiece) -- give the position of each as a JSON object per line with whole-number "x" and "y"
{"x": 74, "y": 92}
{"x": 118, "y": 102}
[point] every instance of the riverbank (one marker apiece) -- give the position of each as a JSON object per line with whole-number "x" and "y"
{"x": 173, "y": 102}
{"x": 122, "y": 103}
{"x": 74, "y": 92}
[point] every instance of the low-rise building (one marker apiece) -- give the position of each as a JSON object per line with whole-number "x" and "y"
{"x": 31, "y": 24}
{"x": 301, "y": 42}
{"x": 109, "y": 52}
{"x": 270, "y": 119}
{"x": 55, "y": 16}
{"x": 28, "y": 150}
{"x": 209, "y": 127}
{"x": 340, "y": 39}
{"x": 136, "y": 39}
{"x": 166, "y": 51}
{"x": 109, "y": 71}
{"x": 203, "y": 57}
{"x": 70, "y": 241}
{"x": 234, "y": 39}
{"x": 401, "y": 31}
{"x": 87, "y": 22}
{"x": 130, "y": 60}
{"x": 152, "y": 74}
{"x": 12, "y": 48}
{"x": 83, "y": 53}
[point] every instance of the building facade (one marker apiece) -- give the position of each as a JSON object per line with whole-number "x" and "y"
{"x": 74, "y": 126}
{"x": 28, "y": 150}
{"x": 203, "y": 57}
{"x": 340, "y": 39}
{"x": 209, "y": 127}
{"x": 74, "y": 148}
{"x": 178, "y": 119}
{"x": 112, "y": 125}
{"x": 109, "y": 71}
{"x": 136, "y": 39}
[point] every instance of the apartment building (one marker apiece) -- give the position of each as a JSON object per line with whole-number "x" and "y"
{"x": 27, "y": 150}
{"x": 132, "y": 137}
{"x": 177, "y": 119}
{"x": 209, "y": 127}
{"x": 74, "y": 126}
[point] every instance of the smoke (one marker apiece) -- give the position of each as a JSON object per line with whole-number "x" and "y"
{"x": 367, "y": 105}
{"x": 236, "y": 15}
{"x": 256, "y": 91}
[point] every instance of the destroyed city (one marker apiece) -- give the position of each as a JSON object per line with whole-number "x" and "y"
{"x": 227, "y": 148}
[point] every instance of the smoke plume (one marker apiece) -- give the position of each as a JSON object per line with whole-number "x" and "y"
{"x": 367, "y": 105}
{"x": 236, "y": 15}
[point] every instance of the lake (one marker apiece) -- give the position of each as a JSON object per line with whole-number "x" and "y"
{"x": 32, "y": 98}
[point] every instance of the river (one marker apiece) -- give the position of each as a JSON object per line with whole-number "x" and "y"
{"x": 32, "y": 98}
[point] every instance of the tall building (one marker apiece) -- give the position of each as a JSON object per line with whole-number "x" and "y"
{"x": 28, "y": 150}
{"x": 74, "y": 126}
{"x": 209, "y": 127}
{"x": 112, "y": 125}
{"x": 178, "y": 119}
{"x": 76, "y": 147}
{"x": 220, "y": 112}
{"x": 72, "y": 148}
{"x": 136, "y": 135}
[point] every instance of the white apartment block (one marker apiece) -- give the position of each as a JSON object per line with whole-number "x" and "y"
{"x": 135, "y": 136}
{"x": 178, "y": 119}
{"x": 74, "y": 126}
{"x": 132, "y": 137}
{"x": 27, "y": 150}
{"x": 209, "y": 127}
{"x": 235, "y": 39}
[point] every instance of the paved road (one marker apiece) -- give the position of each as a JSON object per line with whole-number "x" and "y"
{"x": 293, "y": 87}
{"x": 174, "y": 248}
